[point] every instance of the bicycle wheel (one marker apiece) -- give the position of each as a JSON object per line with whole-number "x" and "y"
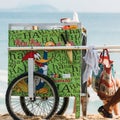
{"x": 44, "y": 105}
{"x": 63, "y": 104}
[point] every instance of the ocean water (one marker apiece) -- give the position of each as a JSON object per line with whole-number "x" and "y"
{"x": 102, "y": 29}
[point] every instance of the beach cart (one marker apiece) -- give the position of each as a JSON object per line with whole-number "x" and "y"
{"x": 44, "y": 69}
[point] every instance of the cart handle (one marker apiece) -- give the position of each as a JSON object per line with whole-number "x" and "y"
{"x": 112, "y": 47}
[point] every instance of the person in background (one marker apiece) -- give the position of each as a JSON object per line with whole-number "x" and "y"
{"x": 115, "y": 107}
{"x": 106, "y": 110}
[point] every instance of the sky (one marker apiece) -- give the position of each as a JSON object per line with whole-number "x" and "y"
{"x": 67, "y": 5}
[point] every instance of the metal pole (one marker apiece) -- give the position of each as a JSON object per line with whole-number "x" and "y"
{"x": 114, "y": 48}
{"x": 31, "y": 83}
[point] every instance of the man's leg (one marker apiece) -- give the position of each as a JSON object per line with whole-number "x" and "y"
{"x": 116, "y": 109}
{"x": 115, "y": 99}
{"x": 106, "y": 110}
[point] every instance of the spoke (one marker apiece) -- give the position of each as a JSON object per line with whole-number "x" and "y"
{"x": 22, "y": 107}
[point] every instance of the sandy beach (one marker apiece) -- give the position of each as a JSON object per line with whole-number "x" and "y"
{"x": 65, "y": 117}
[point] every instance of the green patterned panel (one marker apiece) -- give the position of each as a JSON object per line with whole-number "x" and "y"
{"x": 65, "y": 74}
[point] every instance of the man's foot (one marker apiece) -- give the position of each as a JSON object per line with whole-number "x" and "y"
{"x": 104, "y": 113}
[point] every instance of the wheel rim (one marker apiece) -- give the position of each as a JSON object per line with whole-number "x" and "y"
{"x": 40, "y": 107}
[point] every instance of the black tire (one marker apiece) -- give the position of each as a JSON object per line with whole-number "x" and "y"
{"x": 63, "y": 104}
{"x": 13, "y": 102}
